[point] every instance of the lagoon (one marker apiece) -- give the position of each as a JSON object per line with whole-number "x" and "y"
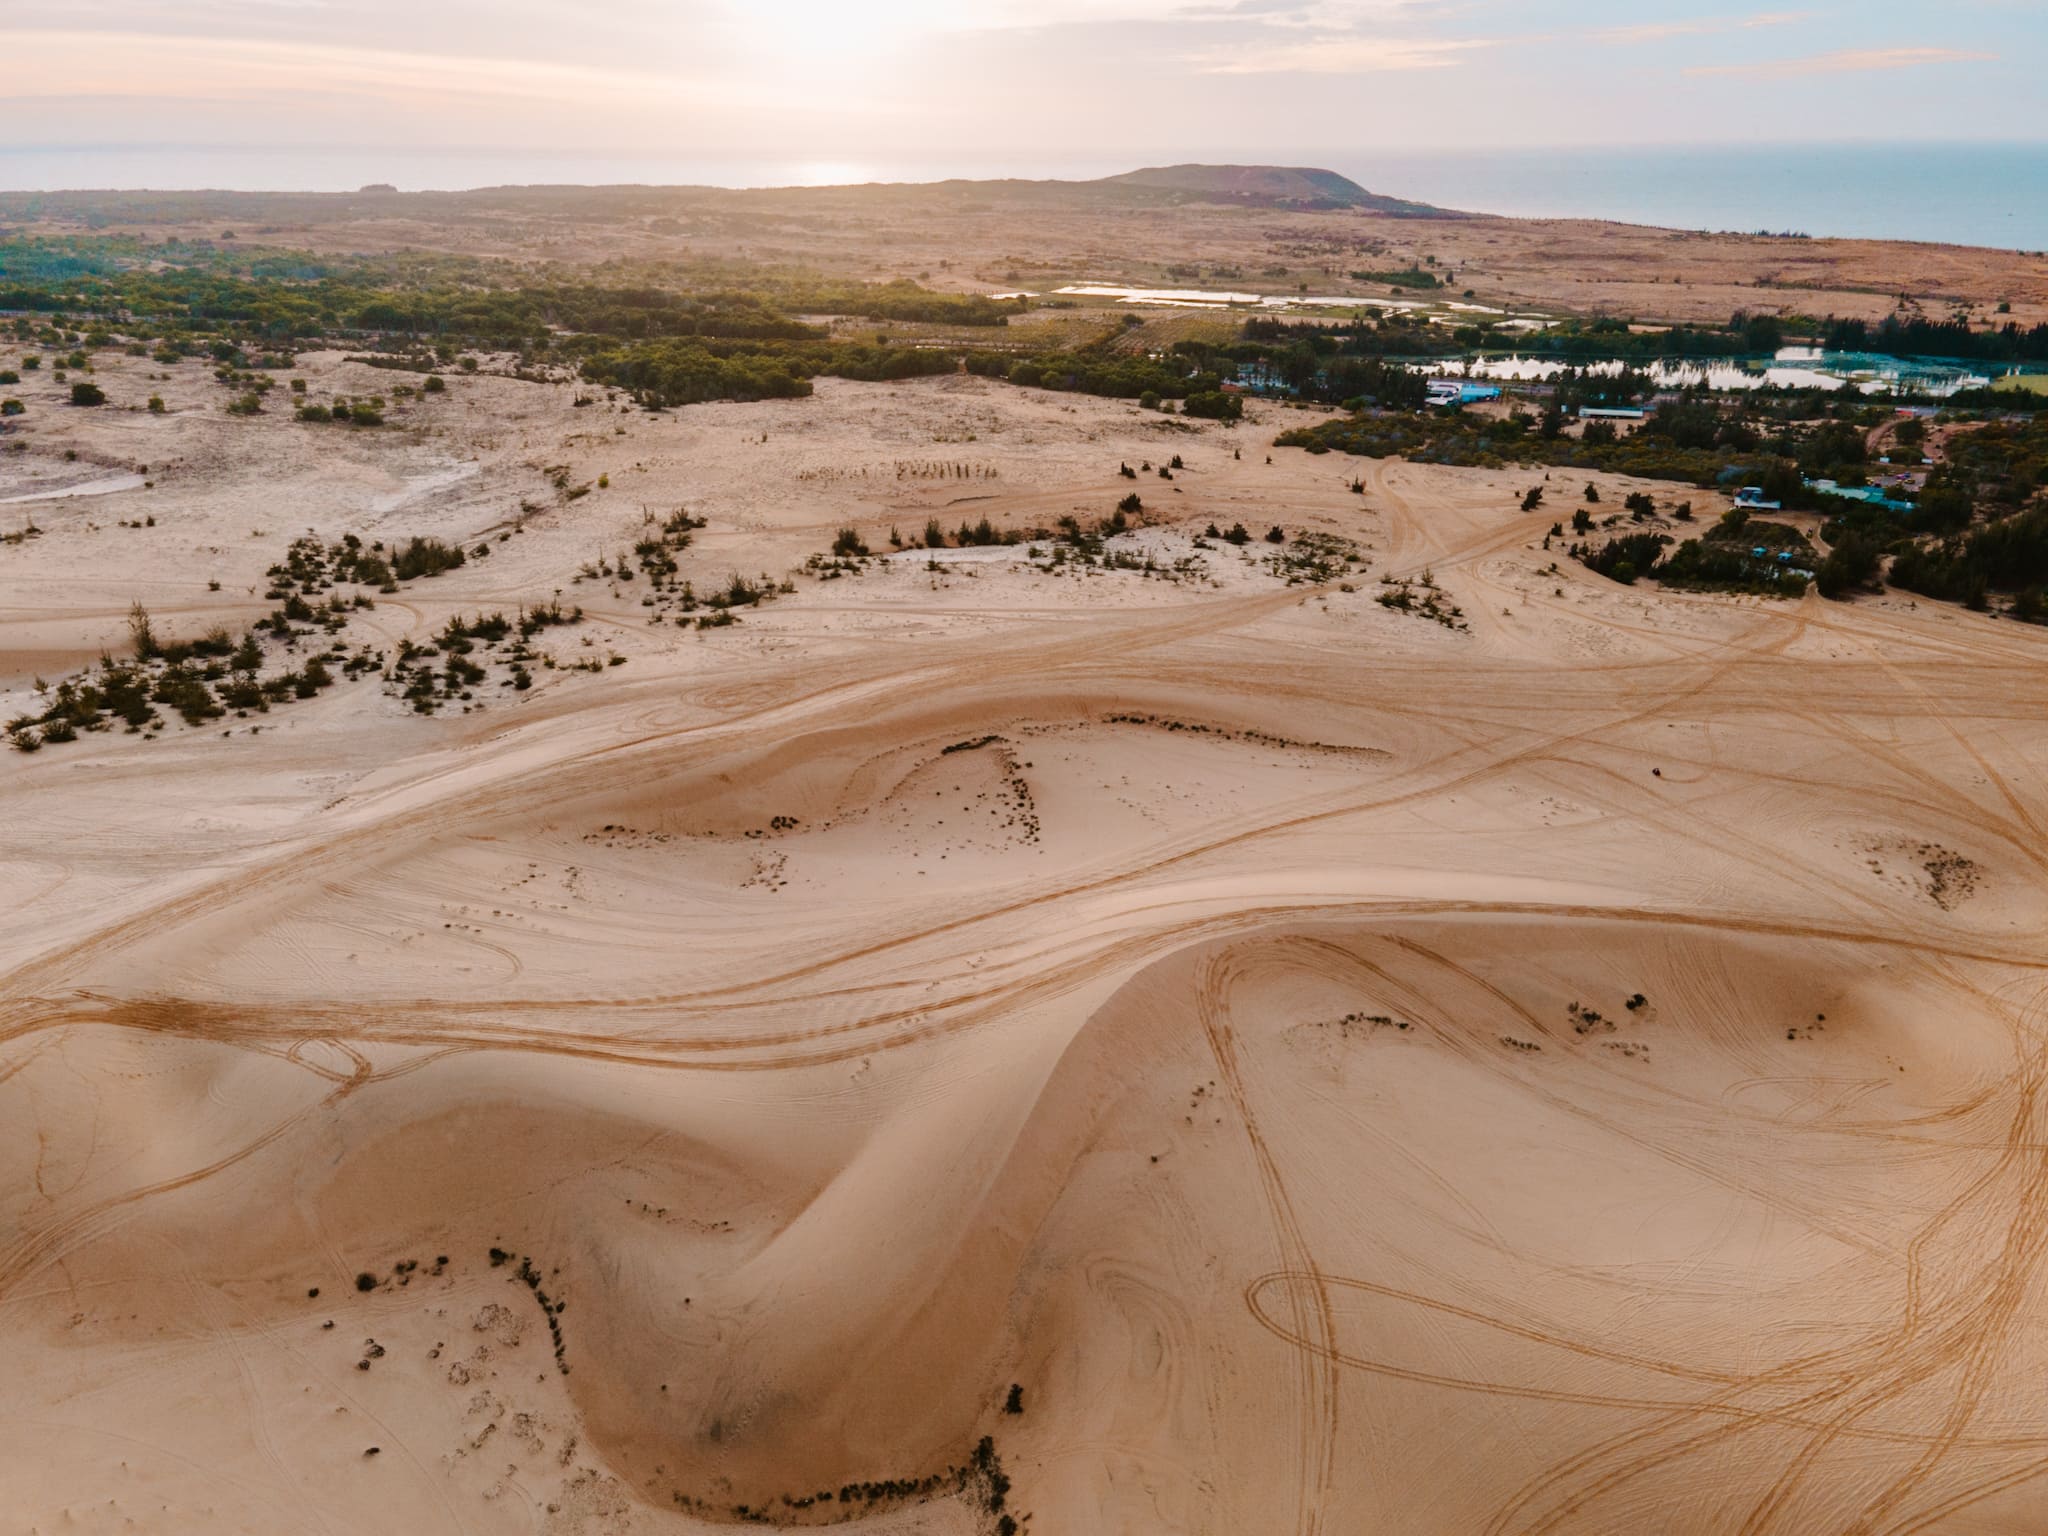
{"x": 1789, "y": 368}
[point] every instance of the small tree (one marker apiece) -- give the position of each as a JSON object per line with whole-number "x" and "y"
{"x": 86, "y": 393}
{"x": 141, "y": 633}
{"x": 1851, "y": 564}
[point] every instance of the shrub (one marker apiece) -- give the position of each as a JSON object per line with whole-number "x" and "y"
{"x": 156, "y": 405}
{"x": 11, "y": 407}
{"x": 315, "y": 413}
{"x": 141, "y": 633}
{"x": 84, "y": 393}
{"x": 435, "y": 384}
{"x": 1131, "y": 504}
{"x": 424, "y": 557}
{"x": 1626, "y": 558}
{"x": 1214, "y": 404}
{"x": 849, "y": 542}
{"x": 1851, "y": 564}
{"x": 9, "y": 376}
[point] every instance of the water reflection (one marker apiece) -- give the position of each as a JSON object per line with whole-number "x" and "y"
{"x": 1791, "y": 368}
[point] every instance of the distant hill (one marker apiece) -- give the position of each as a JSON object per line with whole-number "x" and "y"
{"x": 1281, "y": 187}
{"x": 1263, "y": 186}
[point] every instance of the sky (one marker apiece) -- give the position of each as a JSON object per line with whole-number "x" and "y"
{"x": 848, "y": 89}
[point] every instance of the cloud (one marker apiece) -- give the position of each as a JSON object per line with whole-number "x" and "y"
{"x": 1307, "y": 15}
{"x": 146, "y": 66}
{"x": 1336, "y": 56}
{"x": 1854, "y": 61}
{"x": 1653, "y": 31}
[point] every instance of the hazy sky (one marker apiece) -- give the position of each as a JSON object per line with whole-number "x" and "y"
{"x": 846, "y": 86}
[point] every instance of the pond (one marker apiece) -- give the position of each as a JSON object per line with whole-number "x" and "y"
{"x": 1790, "y": 368}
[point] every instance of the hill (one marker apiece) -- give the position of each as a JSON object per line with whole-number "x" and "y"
{"x": 1266, "y": 186}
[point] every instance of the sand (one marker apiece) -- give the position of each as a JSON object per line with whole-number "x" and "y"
{"x": 1575, "y": 1068}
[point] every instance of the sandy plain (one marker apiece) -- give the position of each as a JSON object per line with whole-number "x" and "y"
{"x": 1577, "y": 1068}
{"x": 1038, "y": 237}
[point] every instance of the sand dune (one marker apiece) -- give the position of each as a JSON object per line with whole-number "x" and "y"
{"x": 1576, "y": 1069}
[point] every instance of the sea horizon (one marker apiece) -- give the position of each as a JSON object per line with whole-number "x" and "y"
{"x": 1991, "y": 194}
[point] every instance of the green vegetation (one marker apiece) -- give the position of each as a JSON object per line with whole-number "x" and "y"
{"x": 1421, "y": 597}
{"x": 1407, "y": 277}
{"x": 672, "y": 373}
{"x": 1726, "y": 559}
{"x": 1101, "y": 370}
{"x": 1774, "y": 442}
{"x": 425, "y": 557}
{"x": 180, "y": 287}
{"x": 218, "y": 674}
{"x": 1979, "y": 528}
{"x": 1918, "y": 336}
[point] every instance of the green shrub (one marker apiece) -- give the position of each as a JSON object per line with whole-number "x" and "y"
{"x": 425, "y": 557}
{"x": 1850, "y": 564}
{"x": 83, "y": 393}
{"x": 1215, "y": 405}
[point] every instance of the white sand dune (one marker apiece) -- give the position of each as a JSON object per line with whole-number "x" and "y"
{"x": 1578, "y": 1072}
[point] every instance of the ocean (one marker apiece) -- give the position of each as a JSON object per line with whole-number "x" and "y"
{"x": 1963, "y": 194}
{"x": 1972, "y": 194}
